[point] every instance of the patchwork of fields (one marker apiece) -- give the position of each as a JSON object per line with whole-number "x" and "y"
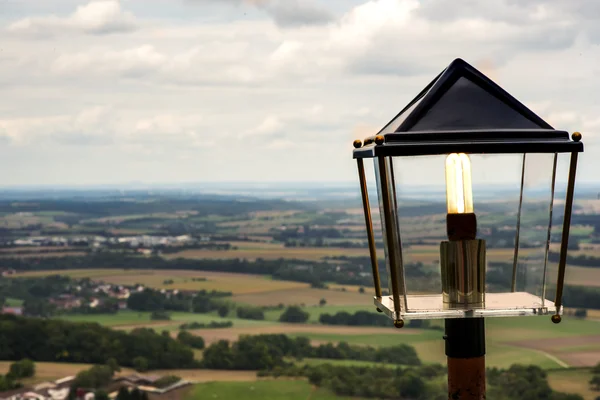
{"x": 526, "y": 340}
{"x": 574, "y": 342}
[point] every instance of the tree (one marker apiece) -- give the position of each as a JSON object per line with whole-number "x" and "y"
{"x": 136, "y": 394}
{"x": 361, "y": 289}
{"x": 411, "y": 386}
{"x": 146, "y": 300}
{"x": 113, "y": 365}
{"x": 190, "y": 339}
{"x": 248, "y": 312}
{"x": 123, "y": 394}
{"x": 22, "y": 369}
{"x": 223, "y": 310}
{"x": 595, "y": 382}
{"x": 101, "y": 395}
{"x": 6, "y": 383}
{"x": 160, "y": 315}
{"x": 57, "y": 340}
{"x": 96, "y": 377}
{"x": 218, "y": 356}
{"x": 322, "y": 302}
{"x": 596, "y": 369}
{"x": 294, "y": 314}
{"x": 140, "y": 364}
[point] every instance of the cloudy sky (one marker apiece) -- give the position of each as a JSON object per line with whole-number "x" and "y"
{"x": 112, "y": 91}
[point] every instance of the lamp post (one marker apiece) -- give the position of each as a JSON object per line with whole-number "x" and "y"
{"x": 460, "y": 120}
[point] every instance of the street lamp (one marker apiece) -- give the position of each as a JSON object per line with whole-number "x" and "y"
{"x": 462, "y": 121}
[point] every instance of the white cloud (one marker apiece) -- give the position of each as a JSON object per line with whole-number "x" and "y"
{"x": 178, "y": 79}
{"x": 97, "y": 17}
{"x": 106, "y": 126}
{"x": 271, "y": 125}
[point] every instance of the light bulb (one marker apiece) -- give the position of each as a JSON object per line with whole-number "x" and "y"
{"x": 459, "y": 193}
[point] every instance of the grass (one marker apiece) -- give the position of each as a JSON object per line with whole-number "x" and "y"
{"x": 48, "y": 371}
{"x": 540, "y": 327}
{"x": 345, "y": 363}
{"x": 220, "y": 281}
{"x": 307, "y": 296}
{"x": 572, "y": 381}
{"x": 274, "y": 251}
{"x": 271, "y": 253}
{"x": 260, "y": 390}
{"x": 134, "y": 318}
{"x": 12, "y": 302}
{"x": 316, "y": 311}
{"x": 378, "y": 340}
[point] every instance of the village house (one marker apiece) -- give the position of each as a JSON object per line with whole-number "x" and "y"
{"x": 12, "y": 310}
{"x": 66, "y": 301}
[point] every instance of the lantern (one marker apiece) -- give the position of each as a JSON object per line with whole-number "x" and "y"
{"x": 476, "y": 249}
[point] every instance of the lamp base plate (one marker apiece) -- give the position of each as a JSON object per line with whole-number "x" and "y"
{"x": 517, "y": 304}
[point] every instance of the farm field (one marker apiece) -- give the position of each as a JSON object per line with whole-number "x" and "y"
{"x": 35, "y": 254}
{"x": 574, "y": 342}
{"x": 573, "y": 381}
{"x": 51, "y": 371}
{"x": 306, "y": 296}
{"x": 261, "y": 390}
{"x": 248, "y": 289}
{"x": 316, "y": 311}
{"x": 345, "y": 363}
{"x": 571, "y": 343}
{"x": 182, "y": 280}
{"x": 273, "y": 251}
{"x": 131, "y": 319}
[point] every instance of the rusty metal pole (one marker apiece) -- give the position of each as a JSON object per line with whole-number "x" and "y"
{"x": 465, "y": 349}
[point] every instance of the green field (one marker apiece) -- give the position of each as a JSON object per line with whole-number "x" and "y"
{"x": 261, "y": 390}
{"x": 509, "y": 340}
{"x": 345, "y": 363}
{"x": 316, "y": 311}
{"x": 573, "y": 381}
{"x": 133, "y": 318}
{"x": 10, "y": 302}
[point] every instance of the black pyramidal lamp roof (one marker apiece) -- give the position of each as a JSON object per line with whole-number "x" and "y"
{"x": 462, "y": 110}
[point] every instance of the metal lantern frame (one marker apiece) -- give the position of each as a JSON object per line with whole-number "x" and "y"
{"x": 460, "y": 111}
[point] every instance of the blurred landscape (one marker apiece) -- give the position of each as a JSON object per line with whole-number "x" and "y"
{"x": 270, "y": 287}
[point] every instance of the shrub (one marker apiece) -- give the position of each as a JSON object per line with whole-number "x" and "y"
{"x": 22, "y": 369}
{"x": 294, "y": 314}
{"x": 140, "y": 364}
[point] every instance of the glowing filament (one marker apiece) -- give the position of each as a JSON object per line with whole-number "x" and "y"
{"x": 459, "y": 193}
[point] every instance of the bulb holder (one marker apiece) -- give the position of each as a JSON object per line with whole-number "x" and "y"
{"x": 461, "y": 226}
{"x": 463, "y": 265}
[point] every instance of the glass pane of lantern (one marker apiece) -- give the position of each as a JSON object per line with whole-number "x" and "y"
{"x": 535, "y": 217}
{"x": 421, "y": 197}
{"x": 496, "y": 181}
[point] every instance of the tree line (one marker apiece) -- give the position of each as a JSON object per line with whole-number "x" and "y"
{"x": 267, "y": 351}
{"x": 424, "y": 382}
{"x": 359, "y": 318}
{"x": 415, "y": 383}
{"x": 282, "y": 269}
{"x": 63, "y": 341}
{"x": 581, "y": 260}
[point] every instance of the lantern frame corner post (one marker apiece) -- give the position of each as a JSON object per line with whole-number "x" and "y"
{"x": 392, "y": 239}
{"x": 369, "y": 226}
{"x": 564, "y": 243}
